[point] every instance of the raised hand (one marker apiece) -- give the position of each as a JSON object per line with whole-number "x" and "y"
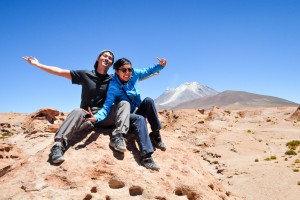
{"x": 31, "y": 60}
{"x": 50, "y": 69}
{"x": 162, "y": 61}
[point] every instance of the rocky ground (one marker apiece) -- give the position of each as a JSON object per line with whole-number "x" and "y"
{"x": 212, "y": 154}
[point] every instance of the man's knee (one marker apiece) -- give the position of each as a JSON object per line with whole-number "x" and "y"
{"x": 77, "y": 112}
{"x": 124, "y": 105}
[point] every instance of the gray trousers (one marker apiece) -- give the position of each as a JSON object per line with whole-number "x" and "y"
{"x": 75, "y": 122}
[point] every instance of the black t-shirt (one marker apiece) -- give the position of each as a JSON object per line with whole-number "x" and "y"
{"x": 94, "y": 88}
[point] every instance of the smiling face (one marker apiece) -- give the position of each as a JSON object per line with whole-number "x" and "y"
{"x": 124, "y": 72}
{"x": 105, "y": 60}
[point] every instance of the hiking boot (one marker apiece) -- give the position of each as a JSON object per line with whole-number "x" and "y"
{"x": 57, "y": 152}
{"x": 156, "y": 141}
{"x": 118, "y": 143}
{"x": 149, "y": 163}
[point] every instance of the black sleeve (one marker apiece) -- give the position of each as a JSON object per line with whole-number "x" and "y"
{"x": 77, "y": 76}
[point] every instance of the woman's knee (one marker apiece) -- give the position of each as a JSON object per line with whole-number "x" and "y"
{"x": 138, "y": 119}
{"x": 148, "y": 100}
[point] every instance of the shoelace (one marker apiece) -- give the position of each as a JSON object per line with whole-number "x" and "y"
{"x": 120, "y": 139}
{"x": 149, "y": 162}
{"x": 57, "y": 150}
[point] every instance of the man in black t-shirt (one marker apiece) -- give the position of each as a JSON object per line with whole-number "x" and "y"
{"x": 94, "y": 87}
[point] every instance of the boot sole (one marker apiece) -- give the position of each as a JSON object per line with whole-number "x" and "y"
{"x": 152, "y": 168}
{"x": 59, "y": 160}
{"x": 120, "y": 150}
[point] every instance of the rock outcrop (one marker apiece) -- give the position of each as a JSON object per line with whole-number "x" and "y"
{"x": 93, "y": 171}
{"x": 43, "y": 120}
{"x": 296, "y": 115}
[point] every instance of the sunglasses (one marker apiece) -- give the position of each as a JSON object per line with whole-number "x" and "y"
{"x": 124, "y": 70}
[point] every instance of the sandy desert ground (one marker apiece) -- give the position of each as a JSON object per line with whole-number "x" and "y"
{"x": 217, "y": 153}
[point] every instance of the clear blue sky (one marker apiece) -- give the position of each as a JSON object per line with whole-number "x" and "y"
{"x": 244, "y": 45}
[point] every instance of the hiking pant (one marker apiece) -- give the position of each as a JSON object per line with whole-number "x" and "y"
{"x": 138, "y": 125}
{"x": 148, "y": 110}
{"x": 75, "y": 122}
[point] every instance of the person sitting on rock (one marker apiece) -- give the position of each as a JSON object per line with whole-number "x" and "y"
{"x": 94, "y": 85}
{"x": 123, "y": 86}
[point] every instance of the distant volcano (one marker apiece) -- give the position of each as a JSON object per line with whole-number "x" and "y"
{"x": 194, "y": 95}
{"x": 184, "y": 93}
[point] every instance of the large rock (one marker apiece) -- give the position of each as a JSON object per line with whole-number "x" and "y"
{"x": 43, "y": 120}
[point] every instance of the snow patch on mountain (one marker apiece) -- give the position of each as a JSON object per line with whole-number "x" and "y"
{"x": 183, "y": 93}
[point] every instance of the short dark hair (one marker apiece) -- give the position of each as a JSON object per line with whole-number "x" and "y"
{"x": 101, "y": 53}
{"x": 120, "y": 62}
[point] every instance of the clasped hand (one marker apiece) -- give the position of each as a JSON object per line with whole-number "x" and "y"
{"x": 90, "y": 116}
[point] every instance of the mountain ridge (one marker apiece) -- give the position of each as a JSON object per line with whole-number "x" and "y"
{"x": 227, "y": 98}
{"x": 236, "y": 99}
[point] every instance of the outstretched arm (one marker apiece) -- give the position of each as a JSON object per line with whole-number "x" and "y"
{"x": 162, "y": 62}
{"x": 50, "y": 69}
{"x": 153, "y": 70}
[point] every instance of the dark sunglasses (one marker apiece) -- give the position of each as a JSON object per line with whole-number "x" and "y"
{"x": 124, "y": 70}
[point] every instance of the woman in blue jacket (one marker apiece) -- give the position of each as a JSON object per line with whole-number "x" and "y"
{"x": 123, "y": 86}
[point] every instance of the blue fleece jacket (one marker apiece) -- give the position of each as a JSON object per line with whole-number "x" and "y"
{"x": 116, "y": 94}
